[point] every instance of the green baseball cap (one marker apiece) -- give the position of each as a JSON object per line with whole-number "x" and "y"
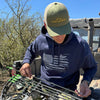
{"x": 56, "y": 18}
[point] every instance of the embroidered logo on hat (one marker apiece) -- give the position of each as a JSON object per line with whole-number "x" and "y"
{"x": 58, "y": 20}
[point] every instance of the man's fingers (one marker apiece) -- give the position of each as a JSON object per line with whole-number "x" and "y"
{"x": 25, "y": 71}
{"x": 76, "y": 91}
{"x": 80, "y": 94}
{"x": 28, "y": 72}
{"x": 87, "y": 93}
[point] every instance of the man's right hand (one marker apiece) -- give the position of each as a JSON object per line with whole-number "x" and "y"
{"x": 25, "y": 70}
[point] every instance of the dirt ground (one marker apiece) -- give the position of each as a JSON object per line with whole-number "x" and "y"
{"x": 4, "y": 76}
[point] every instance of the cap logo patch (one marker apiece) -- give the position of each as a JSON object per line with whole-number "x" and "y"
{"x": 59, "y": 20}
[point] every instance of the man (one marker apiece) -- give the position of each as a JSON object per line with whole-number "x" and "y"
{"x": 62, "y": 52}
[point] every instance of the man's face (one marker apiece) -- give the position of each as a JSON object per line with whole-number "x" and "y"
{"x": 59, "y": 39}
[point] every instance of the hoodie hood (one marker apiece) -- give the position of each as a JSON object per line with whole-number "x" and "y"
{"x": 43, "y": 30}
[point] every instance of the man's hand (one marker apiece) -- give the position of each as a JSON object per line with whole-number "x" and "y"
{"x": 84, "y": 90}
{"x": 25, "y": 70}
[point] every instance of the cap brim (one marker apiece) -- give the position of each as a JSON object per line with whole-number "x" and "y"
{"x": 55, "y": 31}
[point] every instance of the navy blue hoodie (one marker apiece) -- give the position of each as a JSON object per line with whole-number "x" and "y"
{"x": 61, "y": 62}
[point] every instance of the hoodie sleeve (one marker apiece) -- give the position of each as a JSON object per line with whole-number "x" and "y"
{"x": 89, "y": 64}
{"x": 34, "y": 49}
{"x": 30, "y": 53}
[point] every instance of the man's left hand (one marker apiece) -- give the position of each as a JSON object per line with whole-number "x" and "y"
{"x": 84, "y": 90}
